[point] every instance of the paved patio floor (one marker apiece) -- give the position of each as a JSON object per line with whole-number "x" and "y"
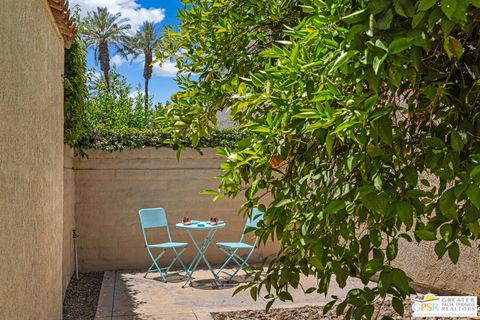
{"x": 128, "y": 295}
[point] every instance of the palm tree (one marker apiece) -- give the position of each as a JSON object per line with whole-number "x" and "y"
{"x": 101, "y": 29}
{"x": 144, "y": 42}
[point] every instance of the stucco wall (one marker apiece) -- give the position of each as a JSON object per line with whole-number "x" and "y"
{"x": 112, "y": 187}
{"x": 31, "y": 162}
{"x": 421, "y": 263}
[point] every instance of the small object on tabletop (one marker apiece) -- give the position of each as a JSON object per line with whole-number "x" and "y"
{"x": 186, "y": 221}
{"x": 213, "y": 220}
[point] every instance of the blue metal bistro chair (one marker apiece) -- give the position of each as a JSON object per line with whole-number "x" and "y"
{"x": 231, "y": 248}
{"x": 156, "y": 218}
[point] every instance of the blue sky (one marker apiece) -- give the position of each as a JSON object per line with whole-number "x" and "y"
{"x": 163, "y": 12}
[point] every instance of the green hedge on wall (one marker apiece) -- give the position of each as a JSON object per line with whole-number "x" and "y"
{"x": 133, "y": 138}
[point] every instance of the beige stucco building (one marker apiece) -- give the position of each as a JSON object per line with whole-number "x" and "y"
{"x": 33, "y": 35}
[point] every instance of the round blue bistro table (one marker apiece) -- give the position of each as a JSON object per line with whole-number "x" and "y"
{"x": 202, "y": 248}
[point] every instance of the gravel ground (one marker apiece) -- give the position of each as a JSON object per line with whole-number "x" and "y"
{"x": 313, "y": 313}
{"x": 81, "y": 297}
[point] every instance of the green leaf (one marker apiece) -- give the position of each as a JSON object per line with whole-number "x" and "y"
{"x": 460, "y": 14}
{"x": 384, "y": 282}
{"x": 384, "y": 20}
{"x": 454, "y": 252}
{"x": 377, "y": 62}
{"x": 405, "y": 213}
{"x": 456, "y": 141}
{"x": 242, "y": 89}
{"x": 356, "y": 16}
{"x": 373, "y": 266}
{"x": 447, "y": 203}
{"x": 440, "y": 248}
{"x": 475, "y": 3}
{"x": 395, "y": 75}
{"x": 392, "y": 249}
{"x": 329, "y": 143}
{"x": 448, "y": 7}
{"x": 446, "y": 232}
{"x": 473, "y": 193}
{"x": 475, "y": 173}
{"x": 398, "y": 305}
{"x": 400, "y": 44}
{"x": 335, "y": 206}
{"x": 405, "y": 8}
{"x": 419, "y": 18}
{"x": 329, "y": 306}
{"x": 426, "y": 4}
{"x": 384, "y": 126}
{"x": 400, "y": 279}
{"x": 377, "y": 6}
{"x": 284, "y": 296}
{"x": 283, "y": 203}
{"x": 294, "y": 55}
{"x": 253, "y": 293}
{"x": 426, "y": 235}
{"x": 447, "y": 26}
{"x": 316, "y": 262}
{"x": 269, "y": 305}
{"x": 453, "y": 47}
{"x": 433, "y": 142}
{"x": 411, "y": 175}
{"x": 209, "y": 192}
{"x": 342, "y": 59}
{"x": 310, "y": 290}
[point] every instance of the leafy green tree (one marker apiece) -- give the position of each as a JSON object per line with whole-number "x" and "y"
{"x": 102, "y": 29}
{"x": 75, "y": 87}
{"x": 116, "y": 107}
{"x": 363, "y": 124}
{"x": 145, "y": 41}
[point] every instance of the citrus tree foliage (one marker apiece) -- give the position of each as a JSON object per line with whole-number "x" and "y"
{"x": 363, "y": 122}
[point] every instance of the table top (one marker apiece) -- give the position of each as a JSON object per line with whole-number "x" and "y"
{"x": 201, "y": 225}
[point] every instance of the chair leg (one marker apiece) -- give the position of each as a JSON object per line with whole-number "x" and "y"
{"x": 230, "y": 257}
{"x": 177, "y": 257}
{"x": 155, "y": 264}
{"x": 244, "y": 262}
{"x": 180, "y": 259}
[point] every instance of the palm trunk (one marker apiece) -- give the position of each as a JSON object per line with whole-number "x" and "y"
{"x": 147, "y": 73}
{"x": 146, "y": 94}
{"x": 104, "y": 57}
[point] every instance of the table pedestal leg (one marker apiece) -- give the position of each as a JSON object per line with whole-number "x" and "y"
{"x": 201, "y": 249}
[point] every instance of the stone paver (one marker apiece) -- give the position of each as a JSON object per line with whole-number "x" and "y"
{"x": 128, "y": 295}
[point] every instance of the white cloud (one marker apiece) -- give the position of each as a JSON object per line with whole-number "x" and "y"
{"x": 117, "y": 60}
{"x": 128, "y": 8}
{"x": 134, "y": 94}
{"x": 167, "y": 69}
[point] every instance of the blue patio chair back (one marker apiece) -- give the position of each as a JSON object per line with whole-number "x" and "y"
{"x": 254, "y": 219}
{"x": 153, "y": 218}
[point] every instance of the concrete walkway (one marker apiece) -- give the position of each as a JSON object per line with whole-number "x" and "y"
{"x": 128, "y": 295}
